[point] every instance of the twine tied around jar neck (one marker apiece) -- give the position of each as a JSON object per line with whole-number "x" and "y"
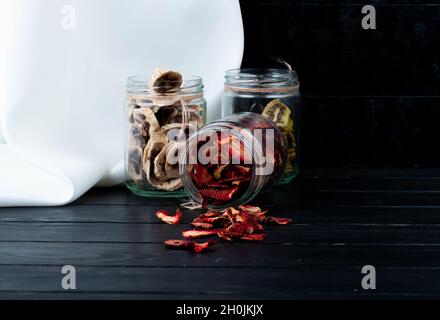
{"x": 162, "y": 99}
{"x": 166, "y": 88}
{"x": 262, "y": 89}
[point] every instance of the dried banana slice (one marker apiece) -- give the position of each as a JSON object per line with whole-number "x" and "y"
{"x": 171, "y": 185}
{"x": 178, "y": 131}
{"x": 171, "y": 165}
{"x": 157, "y": 143}
{"x": 145, "y": 117}
{"x": 166, "y": 166}
{"x": 165, "y": 81}
{"x": 138, "y": 136}
{"x": 134, "y": 163}
{"x": 165, "y": 114}
{"x": 159, "y": 164}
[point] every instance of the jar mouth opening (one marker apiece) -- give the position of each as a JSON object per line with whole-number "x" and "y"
{"x": 140, "y": 84}
{"x": 254, "y": 77}
{"x": 192, "y": 189}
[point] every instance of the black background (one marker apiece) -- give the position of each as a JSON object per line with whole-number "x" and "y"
{"x": 371, "y": 98}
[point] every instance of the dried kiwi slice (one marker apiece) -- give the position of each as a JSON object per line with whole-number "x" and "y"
{"x": 278, "y": 113}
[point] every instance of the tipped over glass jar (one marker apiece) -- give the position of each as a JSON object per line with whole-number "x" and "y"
{"x": 161, "y": 112}
{"x": 229, "y": 161}
{"x": 273, "y": 93}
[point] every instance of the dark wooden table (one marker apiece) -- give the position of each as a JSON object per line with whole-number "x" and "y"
{"x": 343, "y": 220}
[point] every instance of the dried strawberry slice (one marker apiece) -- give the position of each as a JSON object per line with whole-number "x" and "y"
{"x": 223, "y": 195}
{"x": 242, "y": 170}
{"x": 223, "y": 234}
{"x": 249, "y": 208}
{"x": 221, "y": 184}
{"x": 178, "y": 244}
{"x": 218, "y": 171}
{"x": 188, "y": 245}
{"x": 254, "y": 237}
{"x": 209, "y": 221}
{"x": 203, "y": 225}
{"x": 238, "y": 230}
{"x": 256, "y": 212}
{"x": 202, "y": 175}
{"x": 230, "y": 214}
{"x": 237, "y": 172}
{"x": 164, "y": 216}
{"x": 278, "y": 220}
{"x": 192, "y": 234}
{"x": 200, "y": 247}
{"x": 210, "y": 214}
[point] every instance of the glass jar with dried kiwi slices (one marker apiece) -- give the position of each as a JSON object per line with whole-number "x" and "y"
{"x": 273, "y": 93}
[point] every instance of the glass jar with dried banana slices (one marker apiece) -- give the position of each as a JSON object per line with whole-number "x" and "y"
{"x": 161, "y": 112}
{"x": 273, "y": 93}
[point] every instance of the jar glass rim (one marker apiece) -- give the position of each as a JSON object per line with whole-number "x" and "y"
{"x": 139, "y": 83}
{"x": 254, "y": 77}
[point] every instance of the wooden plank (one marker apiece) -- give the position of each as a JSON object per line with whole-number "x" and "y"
{"x": 222, "y": 255}
{"x": 382, "y": 173}
{"x": 31, "y": 295}
{"x": 151, "y": 233}
{"x": 367, "y": 199}
{"x": 341, "y": 180}
{"x": 145, "y": 214}
{"x": 234, "y": 282}
{"x": 353, "y": 192}
{"x": 88, "y": 213}
{"x": 381, "y": 215}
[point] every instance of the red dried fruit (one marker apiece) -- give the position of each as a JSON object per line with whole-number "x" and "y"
{"x": 216, "y": 194}
{"x": 249, "y": 208}
{"x": 200, "y": 247}
{"x": 238, "y": 172}
{"x": 277, "y": 220}
{"x": 192, "y": 234}
{"x": 221, "y": 184}
{"x": 244, "y": 223}
{"x": 254, "y": 211}
{"x": 222, "y": 234}
{"x": 254, "y": 237}
{"x": 202, "y": 176}
{"x": 230, "y": 214}
{"x": 210, "y": 220}
{"x": 188, "y": 245}
{"x": 177, "y": 244}
{"x": 242, "y": 170}
{"x": 237, "y": 230}
{"x": 237, "y": 150}
{"x": 210, "y": 214}
{"x": 218, "y": 171}
{"x": 164, "y": 216}
{"x": 203, "y": 225}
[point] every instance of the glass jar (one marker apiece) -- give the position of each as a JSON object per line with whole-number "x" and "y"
{"x": 273, "y": 93}
{"x": 229, "y": 161}
{"x": 157, "y": 122}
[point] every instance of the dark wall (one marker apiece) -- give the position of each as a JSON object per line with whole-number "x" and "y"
{"x": 371, "y": 98}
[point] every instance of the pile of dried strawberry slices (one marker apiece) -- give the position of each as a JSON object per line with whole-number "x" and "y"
{"x": 246, "y": 223}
